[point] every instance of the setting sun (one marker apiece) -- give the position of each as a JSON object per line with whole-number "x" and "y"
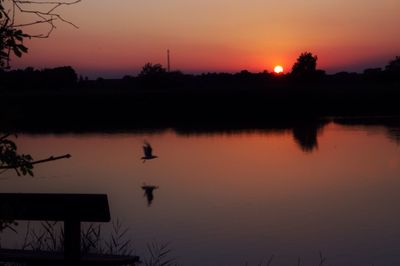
{"x": 278, "y": 69}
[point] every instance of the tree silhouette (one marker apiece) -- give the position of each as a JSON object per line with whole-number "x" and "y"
{"x": 394, "y": 65}
{"x": 150, "y": 70}
{"x": 11, "y": 38}
{"x": 11, "y": 41}
{"x": 306, "y": 65}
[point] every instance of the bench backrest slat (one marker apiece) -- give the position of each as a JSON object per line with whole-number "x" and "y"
{"x": 54, "y": 207}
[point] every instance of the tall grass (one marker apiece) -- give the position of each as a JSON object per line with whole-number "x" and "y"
{"x": 49, "y": 236}
{"x": 322, "y": 261}
{"x": 159, "y": 255}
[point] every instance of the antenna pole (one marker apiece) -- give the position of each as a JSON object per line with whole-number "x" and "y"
{"x": 168, "y": 62}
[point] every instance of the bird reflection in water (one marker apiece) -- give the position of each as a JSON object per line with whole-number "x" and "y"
{"x": 148, "y": 193}
{"x": 148, "y": 152}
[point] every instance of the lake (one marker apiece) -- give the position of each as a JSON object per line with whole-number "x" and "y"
{"x": 237, "y": 197}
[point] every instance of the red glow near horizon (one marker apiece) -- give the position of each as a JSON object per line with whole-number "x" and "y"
{"x": 218, "y": 36}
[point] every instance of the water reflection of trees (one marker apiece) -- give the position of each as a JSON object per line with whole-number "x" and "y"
{"x": 306, "y": 134}
{"x": 394, "y": 134}
{"x": 390, "y": 123}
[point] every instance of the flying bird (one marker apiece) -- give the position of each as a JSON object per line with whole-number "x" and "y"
{"x": 148, "y": 152}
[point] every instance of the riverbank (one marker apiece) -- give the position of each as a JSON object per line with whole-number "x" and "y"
{"x": 121, "y": 108}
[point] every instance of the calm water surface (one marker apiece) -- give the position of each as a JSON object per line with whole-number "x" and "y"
{"x": 228, "y": 199}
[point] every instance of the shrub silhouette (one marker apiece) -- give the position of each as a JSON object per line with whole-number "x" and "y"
{"x": 150, "y": 70}
{"x": 305, "y": 66}
{"x": 394, "y": 65}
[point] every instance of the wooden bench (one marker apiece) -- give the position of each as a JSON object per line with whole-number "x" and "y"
{"x": 72, "y": 209}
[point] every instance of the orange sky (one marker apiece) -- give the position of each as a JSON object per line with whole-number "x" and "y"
{"x": 117, "y": 37}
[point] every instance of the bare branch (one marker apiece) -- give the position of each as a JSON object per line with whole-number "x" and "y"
{"x": 48, "y": 3}
{"x": 43, "y": 15}
{"x": 52, "y": 158}
{"x": 36, "y": 8}
{"x": 33, "y": 23}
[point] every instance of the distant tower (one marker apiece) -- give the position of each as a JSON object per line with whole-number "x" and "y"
{"x": 168, "y": 62}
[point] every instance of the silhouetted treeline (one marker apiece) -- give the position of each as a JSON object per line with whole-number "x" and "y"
{"x": 155, "y": 77}
{"x": 245, "y": 80}
{"x": 164, "y": 99}
{"x": 33, "y": 79}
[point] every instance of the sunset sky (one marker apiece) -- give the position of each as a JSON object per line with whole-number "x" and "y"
{"x": 117, "y": 37}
